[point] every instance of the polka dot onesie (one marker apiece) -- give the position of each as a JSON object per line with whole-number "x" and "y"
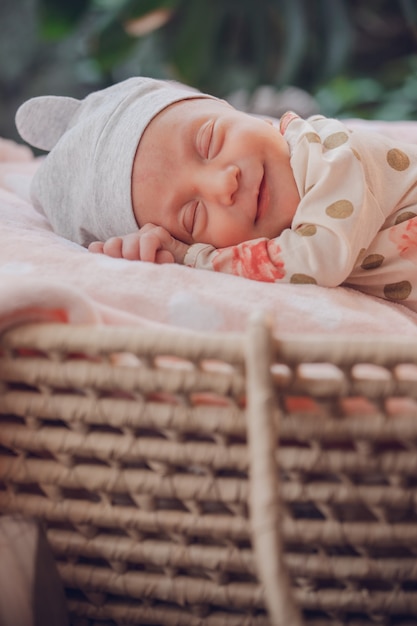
{"x": 356, "y": 223}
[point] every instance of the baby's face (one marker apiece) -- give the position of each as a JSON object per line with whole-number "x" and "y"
{"x": 211, "y": 174}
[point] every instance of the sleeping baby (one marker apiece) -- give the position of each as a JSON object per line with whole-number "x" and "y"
{"x": 155, "y": 171}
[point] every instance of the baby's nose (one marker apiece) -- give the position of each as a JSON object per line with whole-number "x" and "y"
{"x": 225, "y": 183}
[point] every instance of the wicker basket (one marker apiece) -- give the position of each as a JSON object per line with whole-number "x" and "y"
{"x": 153, "y": 460}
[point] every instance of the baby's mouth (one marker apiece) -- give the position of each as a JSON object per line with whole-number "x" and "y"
{"x": 263, "y": 198}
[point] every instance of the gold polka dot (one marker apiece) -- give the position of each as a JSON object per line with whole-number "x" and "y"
{"x": 341, "y": 209}
{"x": 398, "y": 291}
{"x": 313, "y": 138}
{"x": 356, "y": 154}
{"x": 335, "y": 140}
{"x": 372, "y": 261}
{"x": 307, "y": 230}
{"x": 398, "y": 160}
{"x": 403, "y": 217}
{"x": 302, "y": 279}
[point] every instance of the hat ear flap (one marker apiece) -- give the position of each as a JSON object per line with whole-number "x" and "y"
{"x": 42, "y": 121}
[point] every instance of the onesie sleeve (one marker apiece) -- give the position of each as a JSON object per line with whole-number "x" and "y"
{"x": 336, "y": 219}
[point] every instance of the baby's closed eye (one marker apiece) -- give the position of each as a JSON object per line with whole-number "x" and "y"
{"x": 204, "y": 139}
{"x": 189, "y": 216}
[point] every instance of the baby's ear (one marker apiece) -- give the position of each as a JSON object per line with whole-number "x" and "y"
{"x": 42, "y": 121}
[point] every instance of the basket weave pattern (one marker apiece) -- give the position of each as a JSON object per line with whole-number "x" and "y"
{"x": 153, "y": 460}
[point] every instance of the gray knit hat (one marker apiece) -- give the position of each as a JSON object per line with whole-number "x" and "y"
{"x": 84, "y": 184}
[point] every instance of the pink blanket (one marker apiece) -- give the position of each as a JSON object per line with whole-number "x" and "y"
{"x": 44, "y": 277}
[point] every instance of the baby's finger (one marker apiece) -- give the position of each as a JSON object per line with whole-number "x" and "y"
{"x": 147, "y": 227}
{"x": 164, "y": 256}
{"x": 150, "y": 244}
{"x": 130, "y": 247}
{"x": 96, "y": 247}
{"x": 113, "y": 247}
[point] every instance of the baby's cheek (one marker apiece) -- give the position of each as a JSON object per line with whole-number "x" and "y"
{"x": 225, "y": 230}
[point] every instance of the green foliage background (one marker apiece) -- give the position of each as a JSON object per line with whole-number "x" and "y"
{"x": 357, "y": 58}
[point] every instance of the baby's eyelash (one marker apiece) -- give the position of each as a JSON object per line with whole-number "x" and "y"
{"x": 189, "y": 217}
{"x": 204, "y": 138}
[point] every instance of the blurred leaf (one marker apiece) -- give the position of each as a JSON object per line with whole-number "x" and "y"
{"x": 392, "y": 110}
{"x": 259, "y": 30}
{"x": 145, "y": 24}
{"x": 294, "y": 30}
{"x": 409, "y": 8}
{"x": 107, "y": 5}
{"x": 111, "y": 43}
{"x": 226, "y": 45}
{"x": 131, "y": 9}
{"x": 192, "y": 40}
{"x": 337, "y": 37}
{"x": 343, "y": 94}
{"x": 58, "y": 17}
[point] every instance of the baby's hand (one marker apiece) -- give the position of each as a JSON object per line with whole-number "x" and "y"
{"x": 150, "y": 243}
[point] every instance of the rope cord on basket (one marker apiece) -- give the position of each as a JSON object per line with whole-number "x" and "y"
{"x": 264, "y": 483}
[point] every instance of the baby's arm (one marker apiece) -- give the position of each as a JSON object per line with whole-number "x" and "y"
{"x": 321, "y": 250}
{"x": 150, "y": 243}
